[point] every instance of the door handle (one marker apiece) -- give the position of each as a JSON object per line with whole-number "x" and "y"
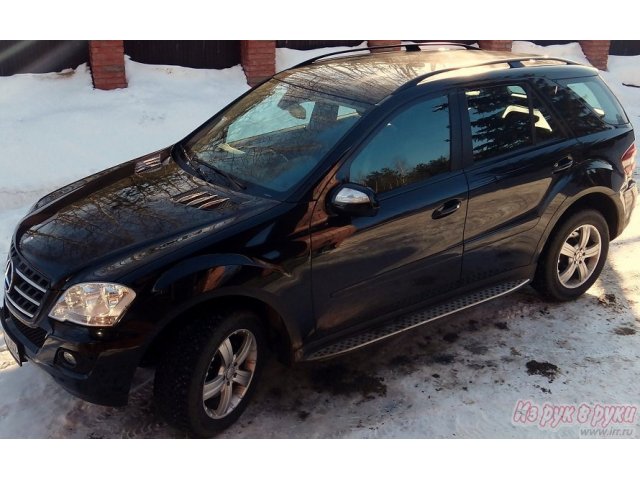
{"x": 447, "y": 208}
{"x": 562, "y": 165}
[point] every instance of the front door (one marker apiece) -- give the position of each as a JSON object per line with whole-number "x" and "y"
{"x": 364, "y": 268}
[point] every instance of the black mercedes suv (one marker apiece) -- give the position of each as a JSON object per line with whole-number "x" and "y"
{"x": 338, "y": 203}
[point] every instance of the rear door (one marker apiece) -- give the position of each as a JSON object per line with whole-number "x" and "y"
{"x": 515, "y": 153}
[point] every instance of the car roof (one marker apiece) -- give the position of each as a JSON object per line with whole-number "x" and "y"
{"x": 371, "y": 77}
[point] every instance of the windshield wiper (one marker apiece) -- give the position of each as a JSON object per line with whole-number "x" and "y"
{"x": 197, "y": 163}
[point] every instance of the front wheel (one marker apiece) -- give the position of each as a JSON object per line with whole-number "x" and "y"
{"x": 574, "y": 257}
{"x": 206, "y": 377}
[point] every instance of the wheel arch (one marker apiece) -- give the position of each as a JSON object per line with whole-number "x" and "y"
{"x": 600, "y": 200}
{"x": 279, "y": 335}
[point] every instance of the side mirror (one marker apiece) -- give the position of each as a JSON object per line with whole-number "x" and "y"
{"x": 355, "y": 200}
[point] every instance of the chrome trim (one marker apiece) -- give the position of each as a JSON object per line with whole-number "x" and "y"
{"x": 8, "y": 275}
{"x": 212, "y": 203}
{"x": 203, "y": 197}
{"x": 187, "y": 196}
{"x": 19, "y": 308}
{"x": 35, "y": 302}
{"x": 352, "y": 343}
{"x": 30, "y": 282}
{"x": 200, "y": 199}
{"x": 148, "y": 164}
{"x": 349, "y": 196}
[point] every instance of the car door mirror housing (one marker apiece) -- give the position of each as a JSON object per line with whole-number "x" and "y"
{"x": 354, "y": 200}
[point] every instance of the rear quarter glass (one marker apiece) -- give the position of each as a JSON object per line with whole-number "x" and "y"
{"x": 596, "y": 95}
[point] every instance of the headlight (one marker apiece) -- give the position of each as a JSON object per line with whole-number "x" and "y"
{"x": 93, "y": 304}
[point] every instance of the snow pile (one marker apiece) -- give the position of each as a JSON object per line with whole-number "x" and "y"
{"x": 55, "y": 127}
{"x": 569, "y": 51}
{"x": 627, "y": 69}
{"x": 289, "y": 57}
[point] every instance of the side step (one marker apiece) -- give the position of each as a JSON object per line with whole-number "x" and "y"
{"x": 415, "y": 319}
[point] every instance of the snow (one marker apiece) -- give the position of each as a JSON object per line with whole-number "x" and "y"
{"x": 570, "y": 51}
{"x": 627, "y": 69}
{"x": 289, "y": 57}
{"x": 458, "y": 377}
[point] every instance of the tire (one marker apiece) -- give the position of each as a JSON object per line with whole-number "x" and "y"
{"x": 198, "y": 386}
{"x": 568, "y": 267}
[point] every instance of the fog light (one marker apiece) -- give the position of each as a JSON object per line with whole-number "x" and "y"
{"x": 69, "y": 358}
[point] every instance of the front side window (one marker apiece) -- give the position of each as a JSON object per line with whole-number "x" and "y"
{"x": 412, "y": 146}
{"x": 275, "y": 136}
{"x": 500, "y": 120}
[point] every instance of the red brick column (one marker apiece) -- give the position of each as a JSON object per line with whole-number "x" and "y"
{"x": 382, "y": 43}
{"x": 258, "y": 59}
{"x": 597, "y": 52}
{"x": 107, "y": 64}
{"x": 500, "y": 45}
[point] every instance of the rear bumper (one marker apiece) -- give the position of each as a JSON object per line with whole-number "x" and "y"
{"x": 104, "y": 369}
{"x": 629, "y": 200}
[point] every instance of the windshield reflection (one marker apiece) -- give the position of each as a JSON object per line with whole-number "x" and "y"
{"x": 276, "y": 135}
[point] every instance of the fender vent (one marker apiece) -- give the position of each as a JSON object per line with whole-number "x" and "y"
{"x": 201, "y": 198}
{"x": 148, "y": 164}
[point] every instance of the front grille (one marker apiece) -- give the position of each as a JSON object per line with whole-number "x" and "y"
{"x": 25, "y": 289}
{"x": 35, "y": 335}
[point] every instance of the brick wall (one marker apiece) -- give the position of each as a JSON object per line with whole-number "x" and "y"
{"x": 500, "y": 45}
{"x": 597, "y": 52}
{"x": 258, "y": 58}
{"x": 107, "y": 64}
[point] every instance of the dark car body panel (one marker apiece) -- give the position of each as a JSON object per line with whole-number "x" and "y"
{"x": 315, "y": 274}
{"x": 123, "y": 211}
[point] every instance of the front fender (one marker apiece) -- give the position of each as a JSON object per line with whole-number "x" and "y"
{"x": 231, "y": 262}
{"x": 219, "y": 276}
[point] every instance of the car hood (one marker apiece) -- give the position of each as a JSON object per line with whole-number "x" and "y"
{"x": 132, "y": 207}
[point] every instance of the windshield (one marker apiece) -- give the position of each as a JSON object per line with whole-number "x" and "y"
{"x": 275, "y": 136}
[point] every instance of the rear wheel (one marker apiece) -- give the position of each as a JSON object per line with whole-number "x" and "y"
{"x": 206, "y": 377}
{"x": 574, "y": 256}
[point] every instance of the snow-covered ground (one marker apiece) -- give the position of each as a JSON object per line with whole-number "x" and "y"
{"x": 458, "y": 377}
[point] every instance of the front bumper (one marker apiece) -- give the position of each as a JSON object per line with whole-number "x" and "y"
{"x": 104, "y": 369}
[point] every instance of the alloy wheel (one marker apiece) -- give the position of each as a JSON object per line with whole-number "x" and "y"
{"x": 229, "y": 374}
{"x": 579, "y": 256}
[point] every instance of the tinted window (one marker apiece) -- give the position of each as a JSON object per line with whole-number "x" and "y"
{"x": 500, "y": 120}
{"x": 412, "y": 146}
{"x": 577, "y": 114}
{"x": 546, "y": 127}
{"x": 599, "y": 98}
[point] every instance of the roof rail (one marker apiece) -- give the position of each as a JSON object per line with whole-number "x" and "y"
{"x": 410, "y": 47}
{"x": 515, "y": 62}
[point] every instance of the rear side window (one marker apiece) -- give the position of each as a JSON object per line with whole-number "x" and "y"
{"x": 545, "y": 126}
{"x": 500, "y": 120}
{"x": 597, "y": 96}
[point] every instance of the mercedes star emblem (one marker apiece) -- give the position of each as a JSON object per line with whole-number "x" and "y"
{"x": 8, "y": 276}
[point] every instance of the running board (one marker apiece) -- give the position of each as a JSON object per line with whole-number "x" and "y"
{"x": 412, "y": 320}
